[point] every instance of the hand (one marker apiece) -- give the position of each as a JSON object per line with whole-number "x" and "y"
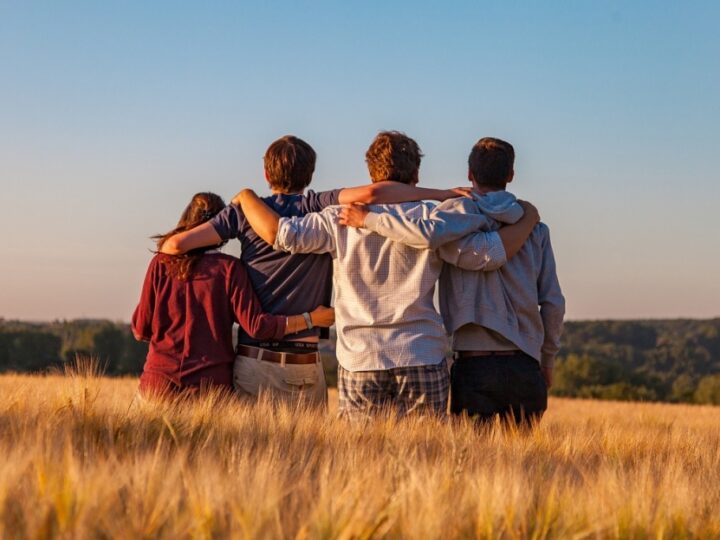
{"x": 547, "y": 373}
{"x": 531, "y": 212}
{"x": 353, "y": 215}
{"x": 323, "y": 316}
{"x": 457, "y": 192}
{"x": 237, "y": 199}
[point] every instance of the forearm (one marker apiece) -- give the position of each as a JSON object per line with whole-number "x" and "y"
{"x": 295, "y": 324}
{"x": 200, "y": 236}
{"x": 429, "y": 233}
{"x": 261, "y": 218}
{"x": 552, "y": 317}
{"x": 514, "y": 236}
{"x": 392, "y": 192}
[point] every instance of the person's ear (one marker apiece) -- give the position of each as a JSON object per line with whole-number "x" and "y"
{"x": 511, "y": 176}
{"x": 472, "y": 180}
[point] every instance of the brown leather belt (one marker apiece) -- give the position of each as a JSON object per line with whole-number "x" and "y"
{"x": 472, "y": 354}
{"x": 277, "y": 357}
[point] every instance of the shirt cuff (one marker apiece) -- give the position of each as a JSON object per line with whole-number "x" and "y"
{"x": 496, "y": 251}
{"x": 282, "y": 232}
{"x": 371, "y": 221}
{"x": 547, "y": 360}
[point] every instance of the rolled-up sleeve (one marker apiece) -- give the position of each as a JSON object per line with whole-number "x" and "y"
{"x": 313, "y": 233}
{"x": 450, "y": 221}
{"x": 477, "y": 251}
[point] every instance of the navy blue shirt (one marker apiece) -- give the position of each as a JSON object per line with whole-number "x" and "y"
{"x": 285, "y": 283}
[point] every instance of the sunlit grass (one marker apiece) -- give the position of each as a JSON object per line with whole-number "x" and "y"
{"x": 84, "y": 458}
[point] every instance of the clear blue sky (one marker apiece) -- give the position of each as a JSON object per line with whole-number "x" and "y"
{"x": 113, "y": 115}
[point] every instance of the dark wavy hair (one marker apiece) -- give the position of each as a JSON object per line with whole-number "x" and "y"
{"x": 491, "y": 162}
{"x": 203, "y": 207}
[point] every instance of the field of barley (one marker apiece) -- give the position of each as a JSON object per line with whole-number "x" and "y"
{"x": 83, "y": 458}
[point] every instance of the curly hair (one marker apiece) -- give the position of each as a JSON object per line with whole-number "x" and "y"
{"x": 289, "y": 164}
{"x": 393, "y": 156}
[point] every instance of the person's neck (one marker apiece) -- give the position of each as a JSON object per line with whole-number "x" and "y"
{"x": 483, "y": 190}
{"x": 283, "y": 192}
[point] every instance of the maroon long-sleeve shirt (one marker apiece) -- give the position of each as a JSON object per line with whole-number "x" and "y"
{"x": 189, "y": 323}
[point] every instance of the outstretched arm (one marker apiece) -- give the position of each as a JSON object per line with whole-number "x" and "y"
{"x": 397, "y": 192}
{"x": 309, "y": 234}
{"x": 476, "y": 252}
{"x": 200, "y": 236}
{"x": 457, "y": 234}
{"x": 262, "y": 218}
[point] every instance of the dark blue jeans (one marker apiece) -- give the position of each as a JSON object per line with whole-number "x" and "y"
{"x": 510, "y": 386}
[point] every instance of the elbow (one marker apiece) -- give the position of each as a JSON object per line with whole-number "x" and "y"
{"x": 493, "y": 265}
{"x": 242, "y": 196}
{"x": 171, "y": 246}
{"x": 139, "y": 335}
{"x": 372, "y": 194}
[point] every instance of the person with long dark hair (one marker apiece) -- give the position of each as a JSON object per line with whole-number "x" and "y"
{"x": 187, "y": 308}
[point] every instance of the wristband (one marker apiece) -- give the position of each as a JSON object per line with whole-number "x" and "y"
{"x": 308, "y": 320}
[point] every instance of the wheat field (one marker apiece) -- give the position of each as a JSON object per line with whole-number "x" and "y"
{"x": 83, "y": 458}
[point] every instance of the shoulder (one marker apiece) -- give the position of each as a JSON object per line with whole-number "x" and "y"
{"x": 158, "y": 260}
{"x": 228, "y": 222}
{"x": 542, "y": 228}
{"x": 221, "y": 261}
{"x": 410, "y": 209}
{"x": 223, "y": 258}
{"x": 459, "y": 205}
{"x": 541, "y": 233}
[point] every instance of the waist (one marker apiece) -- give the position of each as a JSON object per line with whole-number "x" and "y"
{"x": 286, "y": 345}
{"x": 475, "y": 354}
{"x": 280, "y": 357}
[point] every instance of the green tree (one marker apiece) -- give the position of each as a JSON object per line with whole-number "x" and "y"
{"x": 708, "y": 390}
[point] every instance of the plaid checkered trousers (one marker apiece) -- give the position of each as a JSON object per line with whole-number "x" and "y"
{"x": 404, "y": 390}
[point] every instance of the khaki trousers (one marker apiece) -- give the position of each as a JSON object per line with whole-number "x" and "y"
{"x": 290, "y": 383}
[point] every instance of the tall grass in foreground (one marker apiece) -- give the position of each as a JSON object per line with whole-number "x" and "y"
{"x": 82, "y": 458}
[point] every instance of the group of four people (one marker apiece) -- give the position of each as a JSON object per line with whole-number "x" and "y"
{"x": 382, "y": 250}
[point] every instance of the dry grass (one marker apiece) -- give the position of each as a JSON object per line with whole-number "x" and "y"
{"x": 84, "y": 459}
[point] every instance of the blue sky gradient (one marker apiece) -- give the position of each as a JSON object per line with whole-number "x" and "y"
{"x": 113, "y": 114}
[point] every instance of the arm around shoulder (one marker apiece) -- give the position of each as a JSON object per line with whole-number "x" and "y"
{"x": 312, "y": 233}
{"x": 200, "y": 236}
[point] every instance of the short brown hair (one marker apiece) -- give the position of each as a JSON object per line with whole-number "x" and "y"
{"x": 393, "y": 156}
{"x": 289, "y": 164}
{"x": 491, "y": 162}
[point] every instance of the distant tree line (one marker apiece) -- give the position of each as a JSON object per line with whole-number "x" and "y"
{"x": 653, "y": 360}
{"x": 31, "y": 347}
